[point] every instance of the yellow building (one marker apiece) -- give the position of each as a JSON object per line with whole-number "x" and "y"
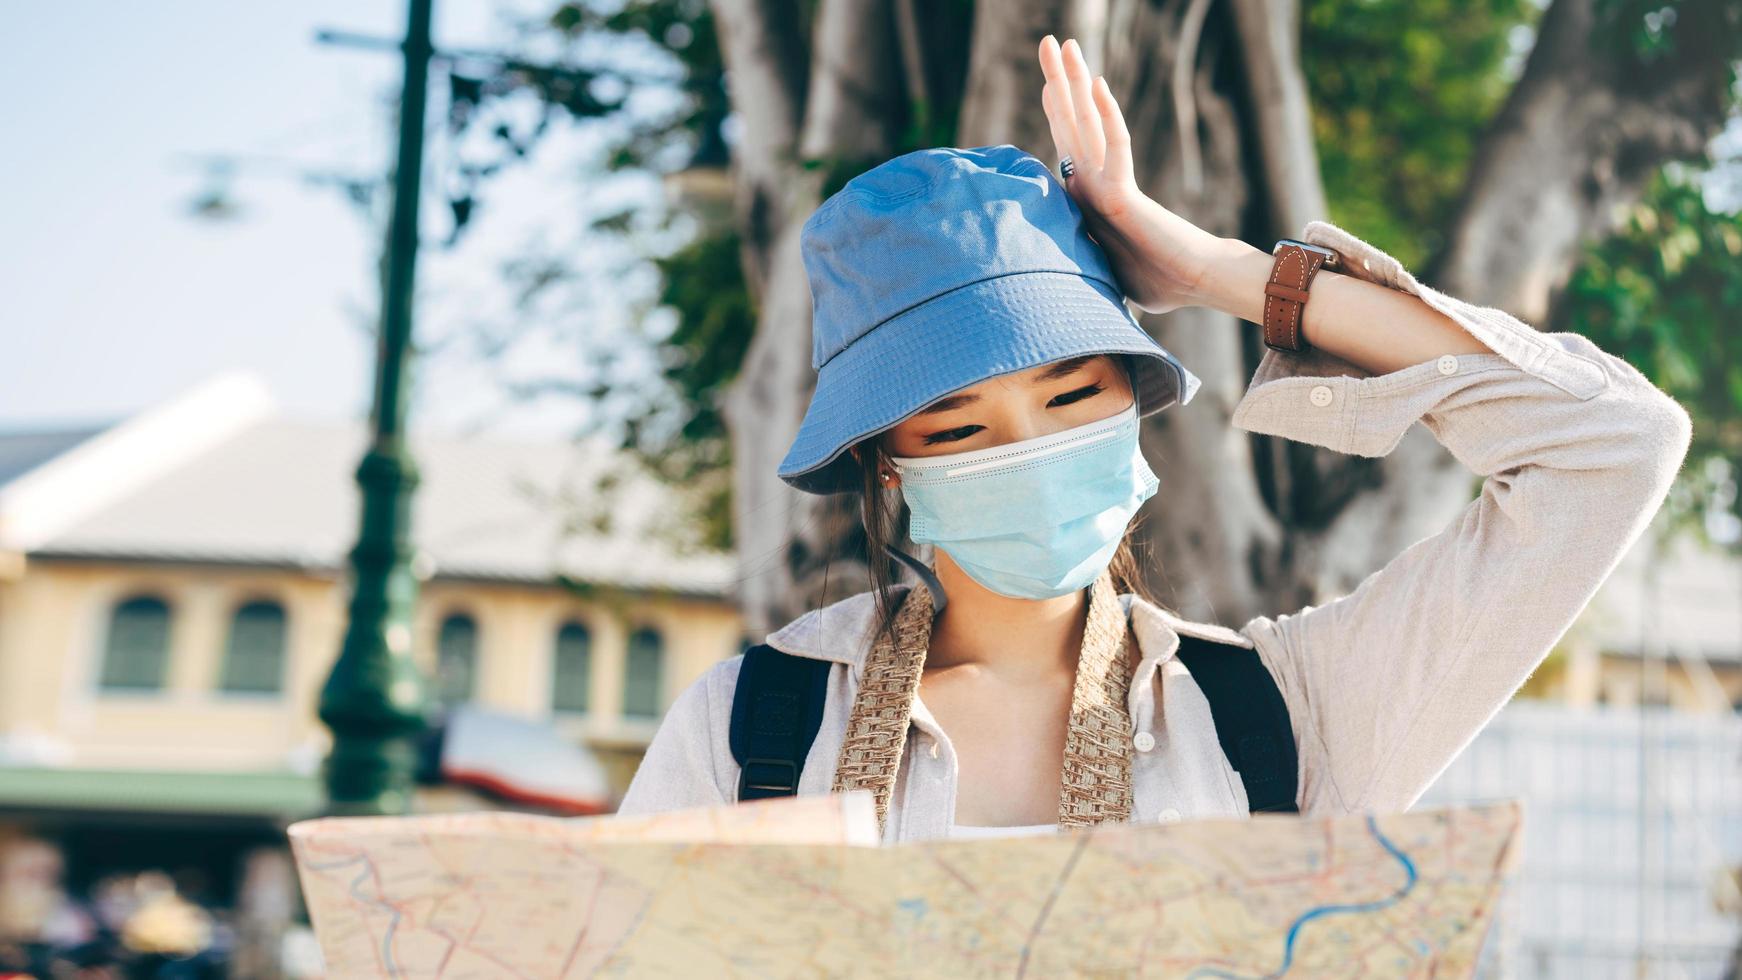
{"x": 173, "y": 592}
{"x": 1665, "y": 629}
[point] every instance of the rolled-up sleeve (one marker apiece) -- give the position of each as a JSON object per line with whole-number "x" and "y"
{"x": 688, "y": 754}
{"x": 1387, "y": 684}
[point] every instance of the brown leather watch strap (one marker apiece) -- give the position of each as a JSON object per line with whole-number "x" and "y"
{"x": 1285, "y": 295}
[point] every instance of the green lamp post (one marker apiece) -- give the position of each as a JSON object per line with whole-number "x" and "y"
{"x": 374, "y": 701}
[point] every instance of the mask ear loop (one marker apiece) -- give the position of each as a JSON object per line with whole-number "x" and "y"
{"x": 926, "y": 575}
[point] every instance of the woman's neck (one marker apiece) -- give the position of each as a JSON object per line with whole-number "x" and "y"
{"x": 979, "y": 626}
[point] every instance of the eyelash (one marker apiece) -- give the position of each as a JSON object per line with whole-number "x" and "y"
{"x": 963, "y": 432}
{"x": 1087, "y": 391}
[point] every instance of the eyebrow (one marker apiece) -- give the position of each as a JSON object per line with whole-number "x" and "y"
{"x": 1060, "y": 369}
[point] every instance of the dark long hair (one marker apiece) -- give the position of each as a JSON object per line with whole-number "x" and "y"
{"x": 885, "y": 516}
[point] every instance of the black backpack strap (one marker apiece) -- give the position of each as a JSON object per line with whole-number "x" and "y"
{"x": 1251, "y": 719}
{"x": 777, "y": 709}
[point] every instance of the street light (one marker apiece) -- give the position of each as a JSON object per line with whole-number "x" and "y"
{"x": 374, "y": 701}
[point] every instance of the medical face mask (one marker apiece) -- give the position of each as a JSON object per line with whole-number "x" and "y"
{"x": 1033, "y": 519}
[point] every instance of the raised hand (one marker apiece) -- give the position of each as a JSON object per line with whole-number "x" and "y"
{"x": 1159, "y": 257}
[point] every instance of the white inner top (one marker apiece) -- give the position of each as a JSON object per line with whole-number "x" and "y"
{"x": 968, "y": 830}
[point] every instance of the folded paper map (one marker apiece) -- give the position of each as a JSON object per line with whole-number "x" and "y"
{"x": 798, "y": 887}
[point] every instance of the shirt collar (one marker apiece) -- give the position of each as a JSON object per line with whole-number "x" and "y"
{"x": 841, "y": 631}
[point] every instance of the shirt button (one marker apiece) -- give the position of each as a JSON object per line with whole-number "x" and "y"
{"x": 1448, "y": 364}
{"x": 1144, "y": 741}
{"x": 1320, "y": 395}
{"x": 1170, "y": 815}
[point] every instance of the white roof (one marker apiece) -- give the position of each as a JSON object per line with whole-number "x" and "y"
{"x": 266, "y": 490}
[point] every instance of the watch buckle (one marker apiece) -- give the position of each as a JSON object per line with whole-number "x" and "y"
{"x": 1332, "y": 258}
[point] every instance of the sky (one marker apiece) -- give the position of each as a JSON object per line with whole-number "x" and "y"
{"x": 114, "y": 297}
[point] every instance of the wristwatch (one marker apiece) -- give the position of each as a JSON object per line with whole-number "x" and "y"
{"x": 1285, "y": 295}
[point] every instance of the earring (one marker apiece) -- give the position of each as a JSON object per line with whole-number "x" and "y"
{"x": 886, "y": 476}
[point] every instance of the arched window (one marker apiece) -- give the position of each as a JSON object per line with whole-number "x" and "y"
{"x": 644, "y": 674}
{"x": 136, "y": 651}
{"x": 254, "y": 653}
{"x": 572, "y": 668}
{"x": 456, "y": 659}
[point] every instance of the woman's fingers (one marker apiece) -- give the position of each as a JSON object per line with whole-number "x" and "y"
{"x": 1058, "y": 119}
{"x": 1080, "y": 111}
{"x": 1055, "y": 99}
{"x": 1118, "y": 165}
{"x": 1088, "y": 118}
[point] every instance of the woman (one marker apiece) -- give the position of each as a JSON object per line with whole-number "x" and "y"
{"x": 976, "y": 362}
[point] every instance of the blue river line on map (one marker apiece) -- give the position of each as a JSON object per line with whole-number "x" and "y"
{"x": 1319, "y": 911}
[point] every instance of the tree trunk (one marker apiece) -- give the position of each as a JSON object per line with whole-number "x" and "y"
{"x": 790, "y": 543}
{"x": 1216, "y": 103}
{"x": 1576, "y": 141}
{"x": 767, "y": 52}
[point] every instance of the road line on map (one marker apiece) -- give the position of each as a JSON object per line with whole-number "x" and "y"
{"x": 1052, "y": 895}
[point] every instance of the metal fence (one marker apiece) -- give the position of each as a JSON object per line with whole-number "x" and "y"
{"x": 1632, "y": 840}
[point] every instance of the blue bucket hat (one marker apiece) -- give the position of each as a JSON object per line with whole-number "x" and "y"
{"x": 939, "y": 269}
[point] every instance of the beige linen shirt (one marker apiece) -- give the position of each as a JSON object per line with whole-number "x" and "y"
{"x": 1384, "y": 685}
